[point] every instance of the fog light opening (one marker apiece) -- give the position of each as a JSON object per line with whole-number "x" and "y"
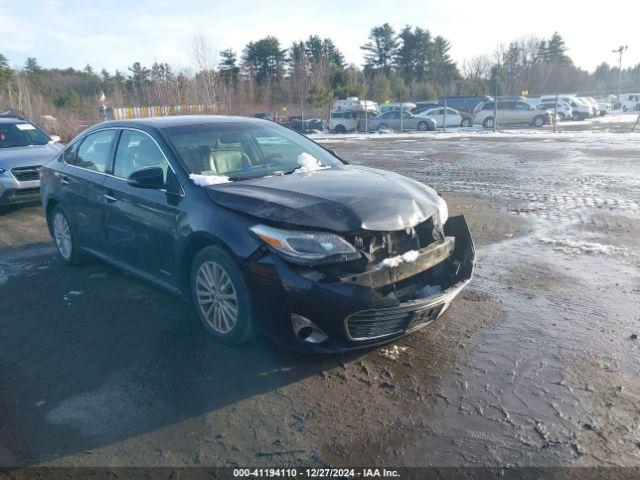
{"x": 306, "y": 330}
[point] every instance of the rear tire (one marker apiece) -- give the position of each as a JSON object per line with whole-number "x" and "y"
{"x": 64, "y": 237}
{"x": 221, "y": 296}
{"x": 539, "y": 121}
{"x": 466, "y": 122}
{"x": 340, "y": 129}
{"x": 488, "y": 122}
{"x": 423, "y": 126}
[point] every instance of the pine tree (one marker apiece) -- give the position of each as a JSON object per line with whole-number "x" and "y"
{"x": 381, "y": 48}
{"x": 229, "y": 70}
{"x": 5, "y": 71}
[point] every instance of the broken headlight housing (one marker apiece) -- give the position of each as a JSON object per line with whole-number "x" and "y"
{"x": 442, "y": 215}
{"x": 307, "y": 248}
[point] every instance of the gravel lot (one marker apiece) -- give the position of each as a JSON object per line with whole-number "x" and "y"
{"x": 535, "y": 364}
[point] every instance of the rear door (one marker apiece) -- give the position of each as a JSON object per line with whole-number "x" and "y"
{"x": 453, "y": 118}
{"x": 141, "y": 224}
{"x": 505, "y": 112}
{"x": 82, "y": 181}
{"x": 523, "y": 113}
{"x": 438, "y": 115}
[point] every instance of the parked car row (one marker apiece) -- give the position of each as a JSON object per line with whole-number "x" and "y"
{"x": 467, "y": 110}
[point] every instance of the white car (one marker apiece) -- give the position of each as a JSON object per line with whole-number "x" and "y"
{"x": 597, "y": 111}
{"x": 453, "y": 117}
{"x": 581, "y": 109}
{"x": 565, "y": 112}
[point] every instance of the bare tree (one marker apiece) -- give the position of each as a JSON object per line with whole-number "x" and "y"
{"x": 204, "y": 58}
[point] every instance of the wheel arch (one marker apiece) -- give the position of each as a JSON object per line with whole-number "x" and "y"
{"x": 49, "y": 206}
{"x": 194, "y": 244}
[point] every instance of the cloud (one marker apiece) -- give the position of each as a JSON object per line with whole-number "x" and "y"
{"x": 113, "y": 35}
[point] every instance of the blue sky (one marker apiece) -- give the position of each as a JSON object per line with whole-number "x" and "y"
{"x": 113, "y": 34}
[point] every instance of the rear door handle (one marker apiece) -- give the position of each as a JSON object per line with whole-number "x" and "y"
{"x": 109, "y": 198}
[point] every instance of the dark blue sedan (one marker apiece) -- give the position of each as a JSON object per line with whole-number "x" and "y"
{"x": 261, "y": 228}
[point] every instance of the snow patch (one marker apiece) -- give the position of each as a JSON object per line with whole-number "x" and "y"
{"x": 407, "y": 257}
{"x": 308, "y": 163}
{"x": 393, "y": 353}
{"x": 574, "y": 246}
{"x": 204, "y": 180}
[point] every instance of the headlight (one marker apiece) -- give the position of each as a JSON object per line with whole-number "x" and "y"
{"x": 443, "y": 211}
{"x": 307, "y": 248}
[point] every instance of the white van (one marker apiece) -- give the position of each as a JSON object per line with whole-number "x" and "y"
{"x": 351, "y": 115}
{"x": 630, "y": 102}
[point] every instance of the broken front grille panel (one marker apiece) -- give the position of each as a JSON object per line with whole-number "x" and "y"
{"x": 380, "y": 245}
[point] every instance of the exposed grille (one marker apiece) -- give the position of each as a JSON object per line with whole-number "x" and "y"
{"x": 371, "y": 324}
{"x": 25, "y": 174}
{"x": 380, "y": 245}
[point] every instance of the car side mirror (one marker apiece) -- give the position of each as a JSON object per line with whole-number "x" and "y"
{"x": 55, "y": 138}
{"x": 150, "y": 178}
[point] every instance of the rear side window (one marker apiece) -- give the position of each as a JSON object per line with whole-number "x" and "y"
{"x": 93, "y": 153}
{"x": 488, "y": 106}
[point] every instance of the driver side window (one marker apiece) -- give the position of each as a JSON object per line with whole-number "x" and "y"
{"x": 136, "y": 150}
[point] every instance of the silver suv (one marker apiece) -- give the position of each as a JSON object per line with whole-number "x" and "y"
{"x": 510, "y": 112}
{"x": 23, "y": 149}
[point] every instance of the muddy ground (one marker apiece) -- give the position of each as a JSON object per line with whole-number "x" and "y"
{"x": 537, "y": 363}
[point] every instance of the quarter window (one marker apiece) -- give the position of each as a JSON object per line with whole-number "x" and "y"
{"x": 136, "y": 150}
{"x": 93, "y": 153}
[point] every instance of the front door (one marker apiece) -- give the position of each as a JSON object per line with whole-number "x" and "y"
{"x": 141, "y": 223}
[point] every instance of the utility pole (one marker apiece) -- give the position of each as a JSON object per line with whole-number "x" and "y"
{"x": 495, "y": 108}
{"x": 303, "y": 88}
{"x": 555, "y": 113}
{"x": 620, "y": 50}
{"x": 444, "y": 112}
{"x": 366, "y": 116}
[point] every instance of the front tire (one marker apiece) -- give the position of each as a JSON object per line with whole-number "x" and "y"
{"x": 423, "y": 126}
{"x": 221, "y": 296}
{"x": 64, "y": 237}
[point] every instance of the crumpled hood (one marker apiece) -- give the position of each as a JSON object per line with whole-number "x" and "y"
{"x": 35, "y": 155}
{"x": 342, "y": 199}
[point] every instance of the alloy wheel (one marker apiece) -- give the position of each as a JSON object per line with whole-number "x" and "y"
{"x": 217, "y": 298}
{"x": 62, "y": 235}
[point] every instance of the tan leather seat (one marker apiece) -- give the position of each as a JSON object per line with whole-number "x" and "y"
{"x": 225, "y": 161}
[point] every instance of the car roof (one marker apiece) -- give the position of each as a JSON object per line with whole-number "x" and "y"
{"x": 179, "y": 120}
{"x": 5, "y": 120}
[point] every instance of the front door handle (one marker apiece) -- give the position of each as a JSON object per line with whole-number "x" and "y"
{"x": 109, "y": 198}
{"x": 64, "y": 180}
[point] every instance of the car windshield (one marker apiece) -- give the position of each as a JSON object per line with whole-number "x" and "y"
{"x": 243, "y": 150}
{"x": 21, "y": 135}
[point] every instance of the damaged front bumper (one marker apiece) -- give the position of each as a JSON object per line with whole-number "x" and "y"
{"x": 359, "y": 311}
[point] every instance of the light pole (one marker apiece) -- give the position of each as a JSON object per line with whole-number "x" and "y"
{"x": 620, "y": 50}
